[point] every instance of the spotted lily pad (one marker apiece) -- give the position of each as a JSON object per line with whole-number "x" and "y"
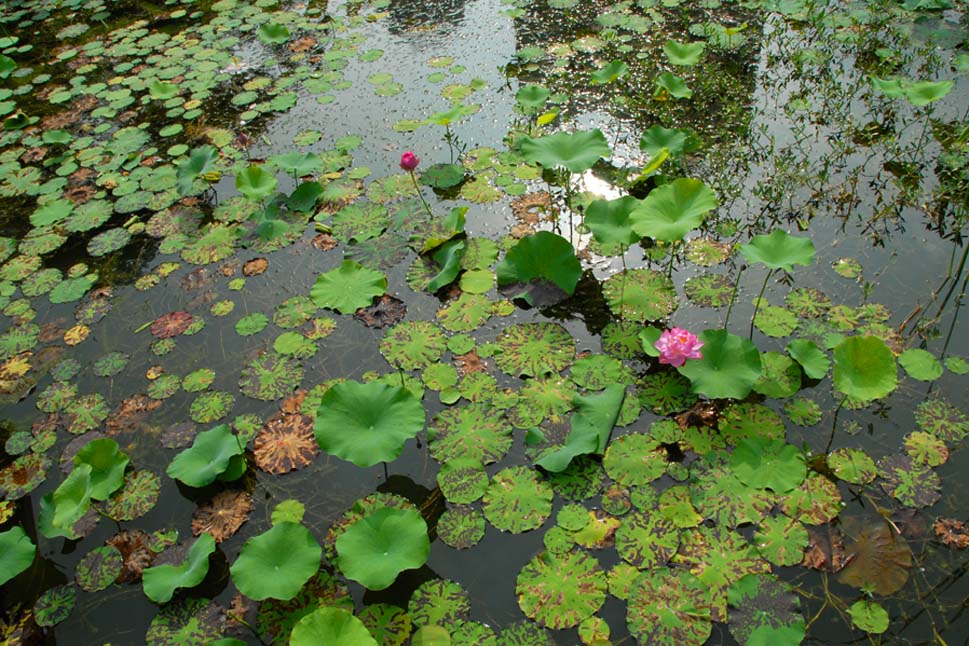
{"x": 763, "y": 610}
{"x": 271, "y": 376}
{"x": 640, "y": 295}
{"x": 561, "y": 591}
{"x": 669, "y": 608}
{"x": 535, "y": 349}
{"x": 911, "y": 482}
{"x": 186, "y": 621}
{"x": 55, "y": 605}
{"x": 439, "y": 602}
{"x": 474, "y": 432}
{"x": 461, "y": 527}
{"x": 647, "y": 540}
{"x": 98, "y": 569}
{"x": 413, "y": 344}
{"x": 517, "y": 500}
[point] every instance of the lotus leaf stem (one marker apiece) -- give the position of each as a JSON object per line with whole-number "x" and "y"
{"x": 733, "y": 296}
{"x": 757, "y": 303}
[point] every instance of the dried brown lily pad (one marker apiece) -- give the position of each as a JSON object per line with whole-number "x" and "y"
{"x": 294, "y": 403}
{"x": 135, "y": 553}
{"x": 255, "y": 267}
{"x": 223, "y": 515}
{"x": 172, "y": 324}
{"x": 325, "y": 242}
{"x": 952, "y": 533}
{"x": 879, "y": 558}
{"x": 384, "y": 312}
{"x": 532, "y": 208}
{"x": 131, "y": 413}
{"x": 470, "y": 362}
{"x": 286, "y": 443}
{"x": 825, "y": 550}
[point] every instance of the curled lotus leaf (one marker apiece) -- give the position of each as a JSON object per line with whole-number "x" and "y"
{"x": 210, "y": 456}
{"x": 882, "y": 557}
{"x": 16, "y": 553}
{"x": 413, "y": 345}
{"x": 439, "y": 602}
{"x": 285, "y": 443}
{"x": 161, "y": 581}
{"x": 560, "y": 591}
{"x": 669, "y": 608}
{"x": 543, "y": 256}
{"x": 535, "y": 349}
{"x": 474, "y": 432}
{"x": 517, "y": 500}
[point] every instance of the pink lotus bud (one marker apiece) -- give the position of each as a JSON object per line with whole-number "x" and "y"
{"x": 409, "y": 161}
{"x": 677, "y": 345}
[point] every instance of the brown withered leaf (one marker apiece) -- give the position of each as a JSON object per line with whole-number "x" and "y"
{"x": 294, "y": 403}
{"x": 130, "y": 414}
{"x": 255, "y": 267}
{"x": 825, "y": 550}
{"x": 325, "y": 242}
{"x": 285, "y": 443}
{"x": 223, "y": 515}
{"x": 879, "y": 558}
{"x": 468, "y": 363}
{"x": 386, "y": 311}
{"x": 703, "y": 413}
{"x": 952, "y": 532}
{"x": 196, "y": 279}
{"x": 170, "y": 325}
{"x": 229, "y": 268}
{"x": 135, "y": 551}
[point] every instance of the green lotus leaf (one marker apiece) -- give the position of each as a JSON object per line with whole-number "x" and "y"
{"x": 610, "y": 220}
{"x": 768, "y": 464}
{"x": 869, "y": 616}
{"x": 7, "y": 66}
{"x": 443, "y": 175}
{"x": 609, "y": 73}
{"x": 864, "y": 368}
{"x": 16, "y": 553}
{"x": 276, "y": 563}
{"x": 543, "y": 255}
{"x": 657, "y": 138}
{"x": 578, "y": 151}
{"x": 71, "y": 289}
{"x": 273, "y": 33}
{"x": 779, "y": 250}
{"x": 920, "y": 364}
{"x": 297, "y": 163}
{"x": 673, "y": 84}
{"x": 255, "y": 183}
{"x": 348, "y": 287}
{"x": 532, "y": 97}
{"x": 200, "y": 161}
{"x": 669, "y": 212}
{"x": 64, "y": 506}
{"x": 561, "y": 591}
{"x": 813, "y": 360}
{"x": 592, "y": 423}
{"x": 448, "y": 258}
{"x": 161, "y": 581}
{"x": 162, "y": 90}
{"x": 107, "y": 466}
{"x": 209, "y": 457}
{"x": 780, "y": 378}
{"x": 367, "y": 423}
{"x": 922, "y": 93}
{"x": 381, "y": 545}
{"x": 685, "y": 54}
{"x": 729, "y": 368}
{"x": 331, "y": 626}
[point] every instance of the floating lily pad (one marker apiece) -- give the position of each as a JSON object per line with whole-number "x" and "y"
{"x": 709, "y": 290}
{"x": 640, "y": 295}
{"x": 55, "y": 605}
{"x": 137, "y": 496}
{"x": 768, "y": 464}
{"x": 942, "y": 419}
{"x": 98, "y": 569}
{"x": 911, "y": 482}
{"x": 461, "y": 527}
{"x": 869, "y": 616}
{"x": 475, "y": 432}
{"x": 920, "y": 364}
{"x": 439, "y": 602}
{"x": 348, "y": 287}
{"x": 517, "y": 500}
{"x": 667, "y": 607}
{"x": 381, "y": 545}
{"x": 271, "y": 376}
{"x": 764, "y": 608}
{"x": 186, "y": 621}
{"x": 882, "y": 558}
{"x": 781, "y": 540}
{"x": 666, "y": 392}
{"x": 413, "y": 344}
{"x": 276, "y": 563}
{"x": 719, "y": 495}
{"x": 389, "y": 625}
{"x": 561, "y": 591}
{"x": 647, "y": 540}
{"x": 535, "y": 349}
{"x": 286, "y": 443}
{"x": 852, "y": 465}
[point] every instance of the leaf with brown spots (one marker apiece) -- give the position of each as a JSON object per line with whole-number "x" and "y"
{"x": 255, "y": 267}
{"x": 223, "y": 515}
{"x": 825, "y": 550}
{"x": 470, "y": 362}
{"x": 130, "y": 414}
{"x": 285, "y": 443}
{"x": 172, "y": 324}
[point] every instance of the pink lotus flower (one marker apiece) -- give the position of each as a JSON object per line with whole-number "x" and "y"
{"x": 409, "y": 161}
{"x": 677, "y": 345}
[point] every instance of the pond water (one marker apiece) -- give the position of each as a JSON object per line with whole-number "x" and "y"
{"x": 181, "y": 185}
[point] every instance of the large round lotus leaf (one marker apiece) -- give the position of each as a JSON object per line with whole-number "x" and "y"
{"x": 729, "y": 368}
{"x": 685, "y": 54}
{"x": 517, "y": 500}
{"x": 669, "y": 212}
{"x": 331, "y": 626}
{"x": 561, "y": 591}
{"x": 779, "y": 250}
{"x": 161, "y": 581}
{"x": 578, "y": 151}
{"x": 864, "y": 368}
{"x": 535, "y": 349}
{"x": 768, "y": 464}
{"x": 413, "y": 345}
{"x": 107, "y": 466}
{"x": 348, "y": 287}
{"x": 276, "y": 563}
{"x": 882, "y": 558}
{"x": 543, "y": 255}
{"x": 669, "y": 608}
{"x": 367, "y": 423}
{"x": 381, "y": 545}
{"x": 16, "y": 553}
{"x": 208, "y": 457}
{"x": 609, "y": 220}
{"x": 763, "y": 611}
{"x": 640, "y": 295}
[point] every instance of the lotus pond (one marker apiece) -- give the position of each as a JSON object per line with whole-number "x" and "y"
{"x": 356, "y": 323}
